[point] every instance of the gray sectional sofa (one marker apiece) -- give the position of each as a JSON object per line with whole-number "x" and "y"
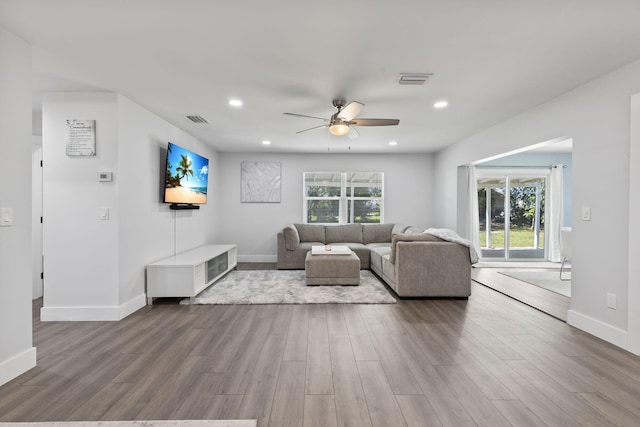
{"x": 412, "y": 263}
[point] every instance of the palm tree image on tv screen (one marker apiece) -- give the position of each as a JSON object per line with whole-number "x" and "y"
{"x": 186, "y": 176}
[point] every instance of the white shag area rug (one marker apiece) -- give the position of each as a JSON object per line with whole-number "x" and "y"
{"x": 289, "y": 287}
{"x": 168, "y": 423}
{"x": 549, "y": 280}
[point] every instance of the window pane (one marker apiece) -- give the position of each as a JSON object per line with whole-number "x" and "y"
{"x": 322, "y": 184}
{"x": 323, "y": 191}
{"x": 322, "y": 211}
{"x": 526, "y": 216}
{"x": 364, "y": 184}
{"x": 365, "y": 211}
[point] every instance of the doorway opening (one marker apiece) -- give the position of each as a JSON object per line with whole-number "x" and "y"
{"x": 512, "y": 215}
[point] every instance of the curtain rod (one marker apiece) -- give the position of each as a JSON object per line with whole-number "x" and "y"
{"x": 517, "y": 167}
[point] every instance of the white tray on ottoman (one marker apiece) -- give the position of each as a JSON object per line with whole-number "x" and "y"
{"x": 334, "y": 267}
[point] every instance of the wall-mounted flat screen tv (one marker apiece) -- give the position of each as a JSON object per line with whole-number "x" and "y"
{"x": 186, "y": 177}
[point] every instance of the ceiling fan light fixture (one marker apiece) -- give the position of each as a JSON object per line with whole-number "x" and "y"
{"x": 339, "y": 128}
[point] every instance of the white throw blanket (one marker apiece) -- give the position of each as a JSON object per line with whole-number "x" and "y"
{"x": 451, "y": 236}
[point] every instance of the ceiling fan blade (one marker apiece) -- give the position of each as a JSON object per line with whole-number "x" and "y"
{"x": 302, "y": 115}
{"x": 374, "y": 122}
{"x": 315, "y": 127}
{"x": 353, "y": 133}
{"x": 350, "y": 111}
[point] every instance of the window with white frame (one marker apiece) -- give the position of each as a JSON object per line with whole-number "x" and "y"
{"x": 343, "y": 197}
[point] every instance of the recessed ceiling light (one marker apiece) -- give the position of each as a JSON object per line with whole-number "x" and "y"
{"x": 266, "y": 142}
{"x": 235, "y": 103}
{"x": 393, "y": 143}
{"x": 440, "y": 104}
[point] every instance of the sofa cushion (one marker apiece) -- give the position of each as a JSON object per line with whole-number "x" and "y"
{"x": 291, "y": 237}
{"x": 376, "y": 233}
{"x": 399, "y": 228}
{"x": 373, "y": 246}
{"x": 311, "y": 232}
{"x": 405, "y": 237}
{"x": 362, "y": 251}
{"x": 389, "y": 271}
{"x": 413, "y": 230}
{"x": 350, "y": 233}
{"x": 376, "y": 254}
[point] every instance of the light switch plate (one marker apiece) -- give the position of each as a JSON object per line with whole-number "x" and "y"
{"x": 104, "y": 214}
{"x": 6, "y": 217}
{"x": 586, "y": 214}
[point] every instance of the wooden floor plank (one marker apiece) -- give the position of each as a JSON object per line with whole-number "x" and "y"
{"x": 518, "y": 414}
{"x": 479, "y": 407}
{"x": 288, "y": 401}
{"x": 358, "y": 334}
{"x": 335, "y": 320}
{"x": 257, "y": 401}
{"x": 419, "y": 362}
{"x": 351, "y": 405}
{"x": 449, "y": 409}
{"x": 417, "y": 411}
{"x": 296, "y": 346}
{"x": 571, "y": 403}
{"x": 318, "y": 369}
{"x": 320, "y": 411}
{"x": 619, "y": 415}
{"x": 549, "y": 302}
{"x": 238, "y": 374}
{"x": 383, "y": 408}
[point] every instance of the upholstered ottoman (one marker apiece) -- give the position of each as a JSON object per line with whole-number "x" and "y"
{"x": 332, "y": 269}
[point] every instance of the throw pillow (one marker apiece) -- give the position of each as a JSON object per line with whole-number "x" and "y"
{"x": 399, "y": 228}
{"x": 291, "y": 237}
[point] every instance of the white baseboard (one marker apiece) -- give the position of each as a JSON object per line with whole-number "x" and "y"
{"x": 599, "y": 329}
{"x": 133, "y": 305}
{"x": 257, "y": 258}
{"x": 17, "y": 365}
{"x": 92, "y": 314}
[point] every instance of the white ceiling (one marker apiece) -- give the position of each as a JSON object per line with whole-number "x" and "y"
{"x": 491, "y": 60}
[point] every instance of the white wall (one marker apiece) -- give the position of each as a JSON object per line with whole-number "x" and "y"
{"x": 634, "y": 227}
{"x": 94, "y": 268}
{"x": 146, "y": 225}
{"x": 596, "y": 117}
{"x": 253, "y": 226}
{"x": 16, "y": 352}
{"x": 80, "y": 249}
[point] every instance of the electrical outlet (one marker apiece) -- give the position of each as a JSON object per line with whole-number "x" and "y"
{"x": 612, "y": 301}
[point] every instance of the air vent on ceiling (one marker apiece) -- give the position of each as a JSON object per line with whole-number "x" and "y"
{"x": 414, "y": 78}
{"x": 197, "y": 119}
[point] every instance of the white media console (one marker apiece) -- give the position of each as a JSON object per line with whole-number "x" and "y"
{"x": 189, "y": 273}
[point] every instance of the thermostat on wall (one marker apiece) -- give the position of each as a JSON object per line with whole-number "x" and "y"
{"x": 105, "y": 176}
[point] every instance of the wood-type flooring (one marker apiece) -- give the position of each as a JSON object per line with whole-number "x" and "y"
{"x": 486, "y": 361}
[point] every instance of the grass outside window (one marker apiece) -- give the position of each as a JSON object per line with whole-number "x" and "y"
{"x": 519, "y": 238}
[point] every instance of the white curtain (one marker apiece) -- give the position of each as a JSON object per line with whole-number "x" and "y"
{"x": 473, "y": 219}
{"x": 555, "y": 210}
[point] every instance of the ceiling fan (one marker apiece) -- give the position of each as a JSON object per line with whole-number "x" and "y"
{"x": 343, "y": 121}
